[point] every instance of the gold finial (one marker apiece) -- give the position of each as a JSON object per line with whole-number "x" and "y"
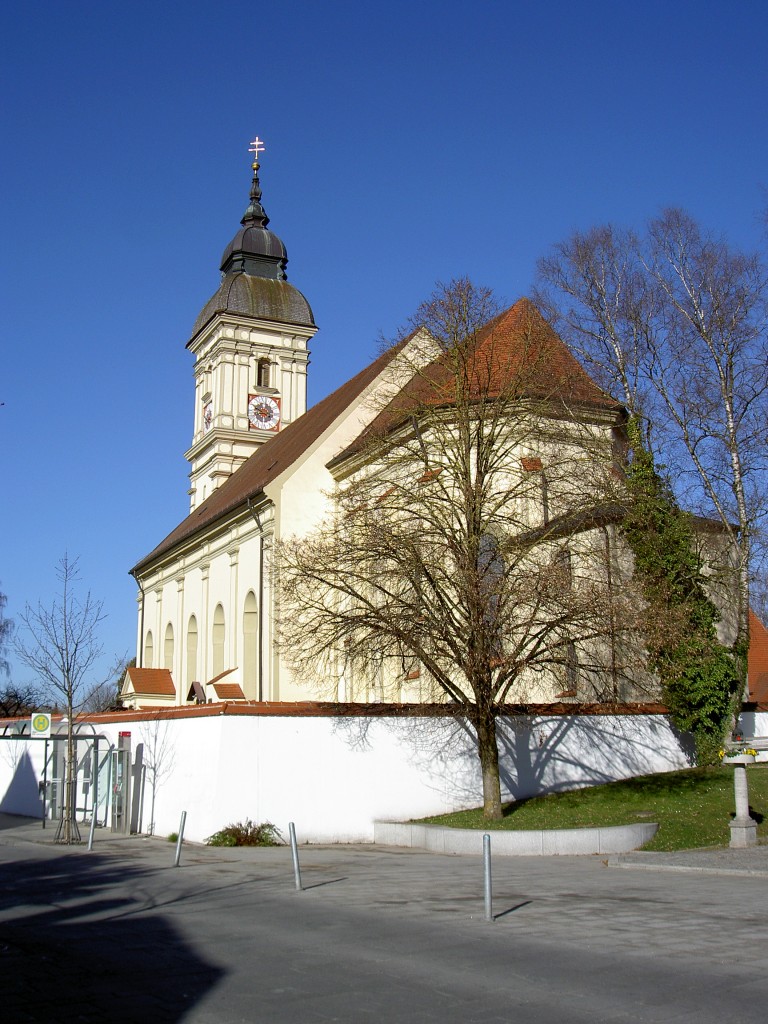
{"x": 256, "y": 147}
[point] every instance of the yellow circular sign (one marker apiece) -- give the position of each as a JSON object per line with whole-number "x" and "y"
{"x": 41, "y": 722}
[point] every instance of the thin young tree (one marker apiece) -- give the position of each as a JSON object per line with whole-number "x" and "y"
{"x": 159, "y": 758}
{"x": 60, "y": 644}
{"x": 463, "y": 539}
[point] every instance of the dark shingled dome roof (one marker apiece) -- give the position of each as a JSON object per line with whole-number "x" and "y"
{"x": 255, "y": 242}
{"x": 259, "y": 297}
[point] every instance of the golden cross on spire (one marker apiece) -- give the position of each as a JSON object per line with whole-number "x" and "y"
{"x": 256, "y": 147}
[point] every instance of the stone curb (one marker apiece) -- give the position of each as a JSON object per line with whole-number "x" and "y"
{"x": 539, "y": 842}
{"x": 618, "y": 861}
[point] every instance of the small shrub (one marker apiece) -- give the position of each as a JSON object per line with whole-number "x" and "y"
{"x": 246, "y": 833}
{"x": 173, "y": 837}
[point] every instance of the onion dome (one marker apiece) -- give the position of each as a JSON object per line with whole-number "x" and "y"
{"x": 253, "y": 282}
{"x": 254, "y": 249}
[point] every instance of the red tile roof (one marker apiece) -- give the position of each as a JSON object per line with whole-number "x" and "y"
{"x": 151, "y": 682}
{"x": 228, "y": 691}
{"x": 515, "y": 355}
{"x": 302, "y": 709}
{"x": 520, "y": 350}
{"x": 757, "y": 660}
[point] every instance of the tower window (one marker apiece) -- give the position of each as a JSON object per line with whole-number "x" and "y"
{"x": 263, "y": 373}
{"x": 533, "y": 468}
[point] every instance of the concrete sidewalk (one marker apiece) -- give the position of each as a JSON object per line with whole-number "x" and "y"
{"x": 715, "y": 860}
{"x": 119, "y": 934}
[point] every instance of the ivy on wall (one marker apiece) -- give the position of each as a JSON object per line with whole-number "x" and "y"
{"x": 698, "y": 674}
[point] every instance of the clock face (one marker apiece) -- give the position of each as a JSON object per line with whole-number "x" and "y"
{"x": 263, "y": 412}
{"x": 207, "y": 415}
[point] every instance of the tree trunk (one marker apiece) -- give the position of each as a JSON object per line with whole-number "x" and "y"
{"x": 488, "y": 752}
{"x": 70, "y": 776}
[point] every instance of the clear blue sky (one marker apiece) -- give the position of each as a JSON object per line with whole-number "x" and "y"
{"x": 407, "y": 142}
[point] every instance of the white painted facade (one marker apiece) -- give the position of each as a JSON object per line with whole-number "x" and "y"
{"x": 335, "y": 776}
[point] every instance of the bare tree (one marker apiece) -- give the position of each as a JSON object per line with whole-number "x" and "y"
{"x": 677, "y": 319}
{"x": 159, "y": 757}
{"x": 19, "y": 700}
{"x": 463, "y": 543}
{"x": 104, "y": 695}
{"x": 599, "y": 302}
{"x": 710, "y": 368}
{"x": 62, "y": 648}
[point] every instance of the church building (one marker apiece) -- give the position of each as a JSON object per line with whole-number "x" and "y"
{"x": 256, "y": 469}
{"x": 262, "y": 467}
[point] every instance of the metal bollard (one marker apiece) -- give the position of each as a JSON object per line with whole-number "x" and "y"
{"x": 295, "y": 856}
{"x": 487, "y": 886}
{"x": 180, "y": 840}
{"x": 93, "y": 826}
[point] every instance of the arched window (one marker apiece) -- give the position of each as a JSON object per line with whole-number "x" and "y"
{"x": 218, "y": 640}
{"x": 571, "y": 669}
{"x": 148, "y": 650}
{"x": 534, "y": 469}
{"x": 191, "y": 651}
{"x": 168, "y": 647}
{"x": 250, "y": 648}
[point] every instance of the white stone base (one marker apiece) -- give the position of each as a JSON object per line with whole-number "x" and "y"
{"x": 743, "y": 833}
{"x": 532, "y": 843}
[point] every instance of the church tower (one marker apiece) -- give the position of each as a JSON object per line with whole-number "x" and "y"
{"x": 250, "y": 344}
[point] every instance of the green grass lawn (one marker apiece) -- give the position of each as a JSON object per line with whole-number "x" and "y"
{"x": 692, "y": 807}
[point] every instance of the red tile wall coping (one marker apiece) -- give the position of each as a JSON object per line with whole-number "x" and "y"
{"x": 312, "y": 709}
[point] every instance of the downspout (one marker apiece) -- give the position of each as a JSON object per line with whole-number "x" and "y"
{"x": 260, "y": 659}
{"x": 612, "y": 614}
{"x": 140, "y": 652}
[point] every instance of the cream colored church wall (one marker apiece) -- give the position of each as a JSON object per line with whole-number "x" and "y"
{"x": 220, "y": 572}
{"x": 577, "y": 458}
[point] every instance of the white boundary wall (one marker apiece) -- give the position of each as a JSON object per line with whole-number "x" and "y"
{"x": 334, "y": 776}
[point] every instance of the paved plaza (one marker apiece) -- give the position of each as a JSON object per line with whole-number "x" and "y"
{"x": 377, "y": 934}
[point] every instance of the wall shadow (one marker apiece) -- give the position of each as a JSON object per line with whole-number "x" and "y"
{"x": 550, "y": 754}
{"x": 537, "y": 753}
{"x": 23, "y": 793}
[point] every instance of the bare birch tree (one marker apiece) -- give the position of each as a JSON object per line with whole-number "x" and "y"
{"x": 60, "y": 645}
{"x": 678, "y": 320}
{"x": 463, "y": 539}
